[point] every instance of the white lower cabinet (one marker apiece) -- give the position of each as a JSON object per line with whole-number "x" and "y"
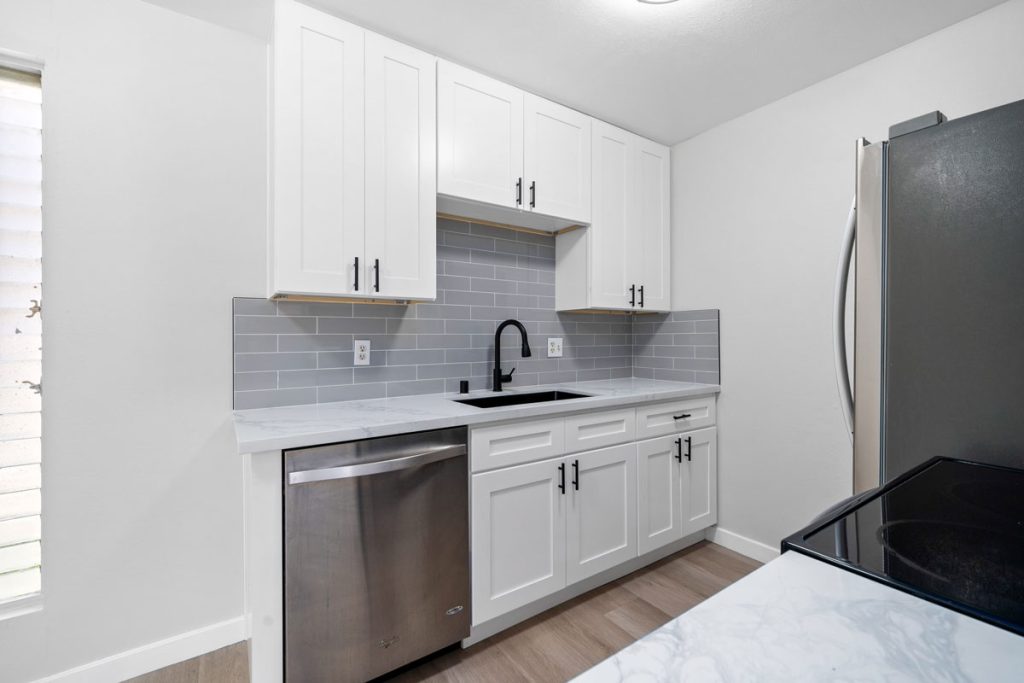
{"x": 518, "y": 536}
{"x": 698, "y": 481}
{"x": 659, "y": 519}
{"x": 677, "y": 486}
{"x": 601, "y": 513}
{"x": 539, "y": 527}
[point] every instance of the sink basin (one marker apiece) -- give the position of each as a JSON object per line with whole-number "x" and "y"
{"x": 518, "y": 399}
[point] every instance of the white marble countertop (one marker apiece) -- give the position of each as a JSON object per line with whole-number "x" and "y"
{"x": 800, "y": 619}
{"x": 271, "y": 429}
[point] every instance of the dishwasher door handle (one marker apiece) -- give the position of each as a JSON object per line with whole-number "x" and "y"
{"x": 348, "y": 471}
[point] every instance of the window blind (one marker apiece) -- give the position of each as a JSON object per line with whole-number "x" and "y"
{"x": 21, "y": 277}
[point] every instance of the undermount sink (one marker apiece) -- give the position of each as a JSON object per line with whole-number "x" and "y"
{"x": 517, "y": 399}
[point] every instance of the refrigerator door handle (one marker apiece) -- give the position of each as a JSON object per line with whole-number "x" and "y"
{"x": 839, "y": 318}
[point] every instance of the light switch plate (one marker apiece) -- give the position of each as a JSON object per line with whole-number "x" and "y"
{"x": 362, "y": 352}
{"x": 554, "y": 347}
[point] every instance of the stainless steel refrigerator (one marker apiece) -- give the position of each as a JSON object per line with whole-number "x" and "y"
{"x": 939, "y": 295}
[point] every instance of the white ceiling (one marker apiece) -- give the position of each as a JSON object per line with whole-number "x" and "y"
{"x": 254, "y": 17}
{"x": 665, "y": 71}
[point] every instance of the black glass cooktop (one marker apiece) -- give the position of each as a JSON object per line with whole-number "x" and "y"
{"x": 949, "y": 531}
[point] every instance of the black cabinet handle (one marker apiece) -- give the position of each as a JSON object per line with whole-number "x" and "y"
{"x": 533, "y": 194}
{"x": 561, "y": 476}
{"x": 576, "y": 475}
{"x": 632, "y": 295}
{"x": 519, "y": 192}
{"x": 679, "y": 452}
{"x": 357, "y": 274}
{"x": 641, "y": 296}
{"x": 681, "y": 417}
{"x": 376, "y": 274}
{"x": 689, "y": 447}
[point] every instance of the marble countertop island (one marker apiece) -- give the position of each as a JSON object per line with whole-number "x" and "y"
{"x": 270, "y": 429}
{"x": 800, "y": 619}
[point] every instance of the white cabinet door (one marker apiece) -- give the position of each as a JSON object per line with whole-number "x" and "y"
{"x": 601, "y": 524}
{"x": 556, "y": 159}
{"x": 518, "y": 554}
{"x": 659, "y": 515}
{"x": 401, "y": 170}
{"x": 699, "y": 480}
{"x": 613, "y": 185}
{"x": 318, "y": 153}
{"x": 627, "y": 260}
{"x": 479, "y": 137}
{"x": 649, "y": 227}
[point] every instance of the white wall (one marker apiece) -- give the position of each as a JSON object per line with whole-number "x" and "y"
{"x": 759, "y": 205}
{"x": 155, "y": 216}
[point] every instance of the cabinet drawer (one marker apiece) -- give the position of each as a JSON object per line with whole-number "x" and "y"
{"x": 597, "y": 430}
{"x": 516, "y": 443}
{"x": 659, "y": 419}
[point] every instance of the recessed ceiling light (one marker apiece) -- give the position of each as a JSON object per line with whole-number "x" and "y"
{"x": 655, "y": 2}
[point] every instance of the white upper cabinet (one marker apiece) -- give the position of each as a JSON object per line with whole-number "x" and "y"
{"x": 479, "y": 137}
{"x": 354, "y": 162}
{"x": 621, "y": 261}
{"x": 401, "y": 157}
{"x": 509, "y": 157}
{"x": 610, "y": 253}
{"x": 318, "y": 153}
{"x": 649, "y": 228}
{"x": 373, "y": 138}
{"x": 556, "y": 166}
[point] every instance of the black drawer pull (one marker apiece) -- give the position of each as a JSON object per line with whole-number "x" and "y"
{"x": 682, "y": 417}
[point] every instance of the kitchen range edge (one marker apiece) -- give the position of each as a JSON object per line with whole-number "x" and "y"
{"x": 630, "y": 470}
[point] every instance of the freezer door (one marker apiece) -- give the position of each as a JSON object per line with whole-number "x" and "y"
{"x": 953, "y": 300}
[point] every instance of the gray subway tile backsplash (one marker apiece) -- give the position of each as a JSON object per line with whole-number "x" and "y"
{"x": 290, "y": 352}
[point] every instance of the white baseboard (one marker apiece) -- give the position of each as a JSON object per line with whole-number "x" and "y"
{"x": 156, "y": 655}
{"x": 761, "y": 552}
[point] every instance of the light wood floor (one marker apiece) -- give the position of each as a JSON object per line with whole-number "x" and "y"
{"x": 553, "y": 646}
{"x": 227, "y": 665}
{"x": 571, "y": 638}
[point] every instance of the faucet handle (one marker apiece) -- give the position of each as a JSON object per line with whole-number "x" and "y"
{"x": 508, "y": 377}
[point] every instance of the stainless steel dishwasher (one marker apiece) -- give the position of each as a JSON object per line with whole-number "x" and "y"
{"x": 376, "y": 554}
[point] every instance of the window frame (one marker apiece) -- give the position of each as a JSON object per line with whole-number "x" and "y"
{"x": 30, "y": 603}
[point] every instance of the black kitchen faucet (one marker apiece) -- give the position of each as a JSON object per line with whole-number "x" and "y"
{"x": 498, "y": 376}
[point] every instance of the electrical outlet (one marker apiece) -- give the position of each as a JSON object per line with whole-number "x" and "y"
{"x": 554, "y": 347}
{"x": 362, "y": 352}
